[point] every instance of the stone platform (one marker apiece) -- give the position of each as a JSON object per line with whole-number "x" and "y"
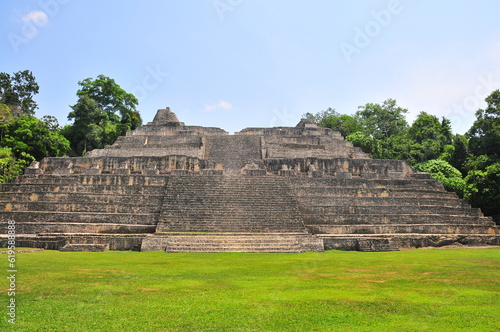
{"x": 168, "y": 186}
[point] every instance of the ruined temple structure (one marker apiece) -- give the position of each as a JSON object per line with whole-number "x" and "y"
{"x": 168, "y": 186}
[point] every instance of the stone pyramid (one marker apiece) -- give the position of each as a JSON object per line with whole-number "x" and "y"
{"x": 168, "y": 186}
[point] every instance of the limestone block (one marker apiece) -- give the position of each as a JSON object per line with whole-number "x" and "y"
{"x": 150, "y": 171}
{"x": 287, "y": 172}
{"x": 255, "y": 172}
{"x": 212, "y": 172}
{"x": 33, "y": 171}
{"x": 84, "y": 247}
{"x": 421, "y": 176}
{"x": 369, "y": 175}
{"x": 315, "y": 174}
{"x": 122, "y": 171}
{"x": 343, "y": 175}
{"x": 396, "y": 175}
{"x": 181, "y": 172}
{"x": 94, "y": 170}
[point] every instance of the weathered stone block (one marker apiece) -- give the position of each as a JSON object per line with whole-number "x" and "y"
{"x": 255, "y": 172}
{"x": 122, "y": 171}
{"x": 181, "y": 172}
{"x": 421, "y": 176}
{"x": 369, "y": 175}
{"x": 151, "y": 172}
{"x": 84, "y": 247}
{"x": 211, "y": 172}
{"x": 343, "y": 175}
{"x": 316, "y": 174}
{"x": 287, "y": 172}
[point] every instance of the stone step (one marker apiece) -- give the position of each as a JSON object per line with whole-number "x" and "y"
{"x": 89, "y": 189}
{"x": 378, "y": 201}
{"x": 100, "y": 179}
{"x": 233, "y": 243}
{"x": 85, "y": 247}
{"x": 131, "y": 208}
{"x": 80, "y": 217}
{"x": 403, "y": 229}
{"x": 221, "y": 206}
{"x": 257, "y": 226}
{"x": 233, "y": 151}
{"x": 376, "y": 219}
{"x": 390, "y": 209}
{"x": 224, "y": 219}
{"x": 80, "y": 197}
{"x": 227, "y": 193}
{"x": 332, "y": 182}
{"x": 214, "y": 203}
{"x": 352, "y": 192}
{"x": 69, "y": 227}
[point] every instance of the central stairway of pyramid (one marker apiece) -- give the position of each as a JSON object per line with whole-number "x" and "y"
{"x": 168, "y": 186}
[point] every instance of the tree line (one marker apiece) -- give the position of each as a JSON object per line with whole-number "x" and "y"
{"x": 466, "y": 164}
{"x": 102, "y": 113}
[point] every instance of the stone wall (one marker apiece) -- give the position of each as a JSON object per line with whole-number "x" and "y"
{"x": 342, "y": 167}
{"x": 146, "y": 165}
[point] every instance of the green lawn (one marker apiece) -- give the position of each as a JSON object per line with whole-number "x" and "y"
{"x": 418, "y": 290}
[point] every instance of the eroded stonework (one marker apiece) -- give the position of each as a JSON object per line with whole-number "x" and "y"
{"x": 168, "y": 186}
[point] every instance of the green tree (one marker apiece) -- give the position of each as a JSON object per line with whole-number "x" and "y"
{"x": 30, "y": 135}
{"x": 112, "y": 99}
{"x": 17, "y": 92}
{"x": 85, "y": 133}
{"x": 427, "y": 126}
{"x": 344, "y": 123}
{"x": 103, "y": 112}
{"x": 379, "y": 128}
{"x": 429, "y": 138}
{"x": 484, "y": 135}
{"x": 457, "y": 156}
{"x": 484, "y": 186}
{"x": 382, "y": 121}
{"x": 368, "y": 144}
{"x": 51, "y": 122}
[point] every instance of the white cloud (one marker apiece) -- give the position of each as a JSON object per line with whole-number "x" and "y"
{"x": 37, "y": 17}
{"x": 32, "y": 22}
{"x": 221, "y": 105}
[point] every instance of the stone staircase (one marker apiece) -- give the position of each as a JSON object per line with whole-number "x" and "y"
{"x": 233, "y": 152}
{"x": 230, "y": 204}
{"x": 112, "y": 204}
{"x": 384, "y": 208}
{"x": 230, "y": 213}
{"x": 233, "y": 242}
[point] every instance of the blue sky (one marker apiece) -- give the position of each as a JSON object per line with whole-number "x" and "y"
{"x": 259, "y": 63}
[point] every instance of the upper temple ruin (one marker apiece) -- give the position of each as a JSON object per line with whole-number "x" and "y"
{"x": 168, "y": 186}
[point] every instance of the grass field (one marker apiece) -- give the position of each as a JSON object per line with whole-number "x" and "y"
{"x": 418, "y": 290}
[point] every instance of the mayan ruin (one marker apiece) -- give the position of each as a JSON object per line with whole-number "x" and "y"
{"x": 179, "y": 188}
